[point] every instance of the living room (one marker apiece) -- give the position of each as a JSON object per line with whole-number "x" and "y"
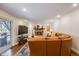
{"x": 28, "y": 21}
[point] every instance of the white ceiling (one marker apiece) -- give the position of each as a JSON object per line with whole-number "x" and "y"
{"x": 38, "y": 12}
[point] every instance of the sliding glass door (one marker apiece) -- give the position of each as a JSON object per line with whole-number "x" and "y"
{"x": 5, "y": 32}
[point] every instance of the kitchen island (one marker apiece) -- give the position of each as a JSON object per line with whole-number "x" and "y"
{"x": 58, "y": 44}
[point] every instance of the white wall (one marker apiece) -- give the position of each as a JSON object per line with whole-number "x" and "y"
{"x": 15, "y": 23}
{"x": 69, "y": 24}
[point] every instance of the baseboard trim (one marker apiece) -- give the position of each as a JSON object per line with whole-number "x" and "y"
{"x": 75, "y": 51}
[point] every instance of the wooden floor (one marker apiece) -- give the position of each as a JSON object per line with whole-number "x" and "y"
{"x": 13, "y": 51}
{"x": 16, "y": 48}
{"x": 73, "y": 53}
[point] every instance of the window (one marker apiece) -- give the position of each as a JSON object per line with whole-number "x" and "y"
{"x": 5, "y": 32}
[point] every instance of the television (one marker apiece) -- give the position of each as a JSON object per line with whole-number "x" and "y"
{"x": 22, "y": 30}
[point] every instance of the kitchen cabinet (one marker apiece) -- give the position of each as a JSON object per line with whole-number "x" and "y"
{"x": 50, "y": 46}
{"x": 37, "y": 46}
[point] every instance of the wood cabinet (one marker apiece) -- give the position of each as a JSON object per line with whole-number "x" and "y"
{"x": 66, "y": 44}
{"x": 53, "y": 47}
{"x": 37, "y": 46}
{"x": 49, "y": 46}
{"x": 66, "y": 47}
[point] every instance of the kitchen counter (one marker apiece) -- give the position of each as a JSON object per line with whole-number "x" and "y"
{"x": 59, "y": 45}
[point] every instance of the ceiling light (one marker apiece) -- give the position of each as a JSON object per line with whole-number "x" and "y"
{"x": 58, "y": 16}
{"x": 75, "y": 4}
{"x": 47, "y": 24}
{"x": 24, "y": 9}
